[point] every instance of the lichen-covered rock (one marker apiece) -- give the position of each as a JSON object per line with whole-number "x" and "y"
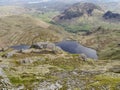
{"x": 26, "y": 61}
{"x": 3, "y": 49}
{"x": 115, "y": 69}
{"x": 25, "y": 51}
{"x": 48, "y": 86}
{"x": 22, "y": 87}
{"x": 83, "y": 57}
{"x": 40, "y": 45}
{"x": 43, "y": 45}
{"x": 10, "y": 54}
{"x": 4, "y": 81}
{"x": 58, "y": 50}
{"x": 46, "y": 46}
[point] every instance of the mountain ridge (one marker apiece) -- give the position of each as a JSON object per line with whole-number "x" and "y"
{"x": 78, "y": 10}
{"x": 111, "y": 16}
{"x": 83, "y": 17}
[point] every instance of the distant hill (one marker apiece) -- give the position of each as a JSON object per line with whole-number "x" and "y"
{"x": 12, "y": 10}
{"x": 111, "y": 16}
{"x": 24, "y": 29}
{"x": 78, "y": 10}
{"x": 83, "y": 17}
{"x": 79, "y": 17}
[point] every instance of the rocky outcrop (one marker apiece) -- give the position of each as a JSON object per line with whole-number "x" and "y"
{"x": 3, "y": 49}
{"x": 40, "y": 47}
{"x": 43, "y": 45}
{"x": 83, "y": 57}
{"x": 78, "y": 10}
{"x": 10, "y": 54}
{"x": 29, "y": 60}
{"x": 26, "y": 61}
{"x": 115, "y": 69}
{"x": 48, "y": 86}
{"x": 4, "y": 81}
{"x": 25, "y": 51}
{"x": 47, "y": 47}
{"x": 111, "y": 16}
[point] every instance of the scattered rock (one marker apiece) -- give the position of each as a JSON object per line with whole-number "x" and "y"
{"x": 58, "y": 50}
{"x": 10, "y": 54}
{"x": 39, "y": 45}
{"x": 25, "y": 51}
{"x": 115, "y": 69}
{"x": 3, "y": 49}
{"x": 83, "y": 57}
{"x": 26, "y": 61}
{"x": 4, "y": 81}
{"x": 22, "y": 87}
{"x": 118, "y": 44}
{"x": 46, "y": 46}
{"x": 48, "y": 86}
{"x": 92, "y": 72}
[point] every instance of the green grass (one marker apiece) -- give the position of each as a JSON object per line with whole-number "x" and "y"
{"x": 76, "y": 28}
{"x": 47, "y": 16}
{"x": 52, "y": 65}
{"x": 87, "y": 23}
{"x": 24, "y": 29}
{"x": 106, "y": 82}
{"x": 26, "y": 81}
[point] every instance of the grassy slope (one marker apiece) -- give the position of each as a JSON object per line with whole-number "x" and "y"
{"x": 46, "y": 16}
{"x": 108, "y": 41}
{"x": 105, "y": 41}
{"x": 12, "y": 10}
{"x": 88, "y": 23}
{"x": 25, "y": 29}
{"x": 64, "y": 68}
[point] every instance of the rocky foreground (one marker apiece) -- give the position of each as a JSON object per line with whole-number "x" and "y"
{"x": 45, "y": 66}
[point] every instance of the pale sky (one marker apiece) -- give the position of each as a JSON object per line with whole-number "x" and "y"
{"x": 6, "y": 1}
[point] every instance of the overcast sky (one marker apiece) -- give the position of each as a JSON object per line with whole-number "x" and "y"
{"x": 73, "y": 0}
{"x": 17, "y": 1}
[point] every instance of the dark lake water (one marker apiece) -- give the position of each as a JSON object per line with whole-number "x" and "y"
{"x": 20, "y": 47}
{"x": 75, "y": 48}
{"x": 68, "y": 46}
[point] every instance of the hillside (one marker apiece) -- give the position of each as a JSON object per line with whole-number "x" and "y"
{"x": 78, "y": 10}
{"x": 24, "y": 29}
{"x": 12, "y": 10}
{"x": 105, "y": 41}
{"x": 83, "y": 17}
{"x": 93, "y": 27}
{"x": 111, "y": 16}
{"x": 57, "y": 71}
{"x": 39, "y": 52}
